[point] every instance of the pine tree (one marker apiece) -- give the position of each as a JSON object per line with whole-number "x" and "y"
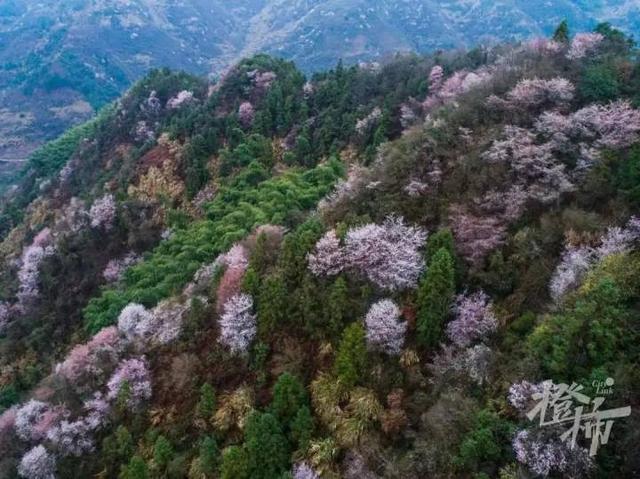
{"x": 266, "y": 445}
{"x": 235, "y": 463}
{"x": 207, "y": 403}
{"x": 209, "y": 455}
{"x": 162, "y": 453}
{"x": 302, "y": 428}
{"x": 289, "y": 396}
{"x": 443, "y": 238}
{"x": 561, "y": 34}
{"x": 136, "y": 469}
{"x": 434, "y": 297}
{"x": 337, "y": 306}
{"x": 272, "y": 304}
{"x": 352, "y": 355}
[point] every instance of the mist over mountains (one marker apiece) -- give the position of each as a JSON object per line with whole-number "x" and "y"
{"x": 61, "y": 61}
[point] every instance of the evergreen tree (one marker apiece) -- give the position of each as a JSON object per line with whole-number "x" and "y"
{"x": 562, "y": 32}
{"x": 272, "y": 304}
{"x": 337, "y": 306}
{"x": 136, "y": 469}
{"x": 235, "y": 463}
{"x": 266, "y": 445}
{"x": 207, "y": 403}
{"x": 302, "y": 428}
{"x": 162, "y": 453}
{"x": 443, "y": 238}
{"x": 352, "y": 355}
{"x": 289, "y": 395}
{"x": 434, "y": 297}
{"x": 209, "y": 455}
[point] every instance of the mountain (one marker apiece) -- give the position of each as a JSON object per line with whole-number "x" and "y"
{"x": 61, "y": 61}
{"x": 373, "y": 273}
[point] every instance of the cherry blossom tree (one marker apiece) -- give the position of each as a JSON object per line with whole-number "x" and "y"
{"x": 476, "y": 236}
{"x": 72, "y": 438}
{"x": 537, "y": 92}
{"x": 134, "y": 322}
{"x": 182, "y": 98}
{"x": 38, "y": 463}
{"x": 238, "y": 323}
{"x": 135, "y": 374}
{"x": 114, "y": 271}
{"x": 365, "y": 124}
{"x": 385, "y": 330}
{"x": 327, "y": 258}
{"x": 474, "y": 319}
{"x": 521, "y": 394}
{"x": 87, "y": 363}
{"x": 29, "y": 272}
{"x": 544, "y": 455}
{"x": 584, "y": 44}
{"x": 236, "y": 262}
{"x": 543, "y": 46}
{"x": 35, "y": 418}
{"x": 436, "y": 76}
{"x": 388, "y": 254}
{"x": 246, "y": 114}
{"x": 103, "y": 212}
{"x": 302, "y": 470}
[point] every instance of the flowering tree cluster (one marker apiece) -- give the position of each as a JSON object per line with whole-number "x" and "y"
{"x": 345, "y": 190}
{"x": 103, "y": 212}
{"x": 443, "y": 92}
{"x": 385, "y": 330}
{"x": 453, "y": 362}
{"x": 34, "y": 419}
{"x": 74, "y": 217}
{"x": 613, "y": 126}
{"x": 131, "y": 377}
{"x": 584, "y": 44}
{"x": 182, "y": 98}
{"x": 388, "y": 254}
{"x": 262, "y": 80}
{"x": 87, "y": 363}
{"x": 577, "y": 261}
{"x": 238, "y": 323}
{"x": 72, "y": 438}
{"x": 5, "y": 315}
{"x": 114, "y": 271}
{"x": 474, "y": 319}
{"x": 521, "y": 394}
{"x": 543, "y": 46}
{"x": 533, "y": 167}
{"x": 365, "y": 124}
{"x": 476, "y": 236}
{"x": 246, "y": 114}
{"x": 161, "y": 325}
{"x": 302, "y": 470}
{"x": 29, "y": 272}
{"x": 236, "y": 262}
{"x": 535, "y": 93}
{"x": 546, "y": 455}
{"x": 38, "y": 463}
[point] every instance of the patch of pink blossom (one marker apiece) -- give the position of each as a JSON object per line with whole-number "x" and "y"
{"x": 114, "y": 271}
{"x": 238, "y": 324}
{"x": 385, "y": 330}
{"x": 103, "y": 212}
{"x": 133, "y": 373}
{"x": 37, "y": 463}
{"x": 29, "y": 272}
{"x": 543, "y": 46}
{"x": 34, "y": 419}
{"x": 183, "y": 97}
{"x": 584, "y": 44}
{"x": 476, "y": 236}
{"x": 474, "y": 319}
{"x": 246, "y": 114}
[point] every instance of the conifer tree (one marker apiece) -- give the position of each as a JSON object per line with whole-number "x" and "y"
{"x": 352, "y": 355}
{"x": 561, "y": 34}
{"x": 266, "y": 445}
{"x": 434, "y": 297}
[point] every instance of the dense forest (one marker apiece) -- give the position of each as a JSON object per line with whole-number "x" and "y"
{"x": 370, "y": 273}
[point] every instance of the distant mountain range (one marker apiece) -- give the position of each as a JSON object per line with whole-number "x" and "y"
{"x": 61, "y": 60}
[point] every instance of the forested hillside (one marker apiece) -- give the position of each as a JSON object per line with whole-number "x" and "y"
{"x": 368, "y": 273}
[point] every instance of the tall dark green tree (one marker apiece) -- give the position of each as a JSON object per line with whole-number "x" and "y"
{"x": 352, "y": 355}
{"x": 561, "y": 33}
{"x": 267, "y": 447}
{"x": 434, "y": 297}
